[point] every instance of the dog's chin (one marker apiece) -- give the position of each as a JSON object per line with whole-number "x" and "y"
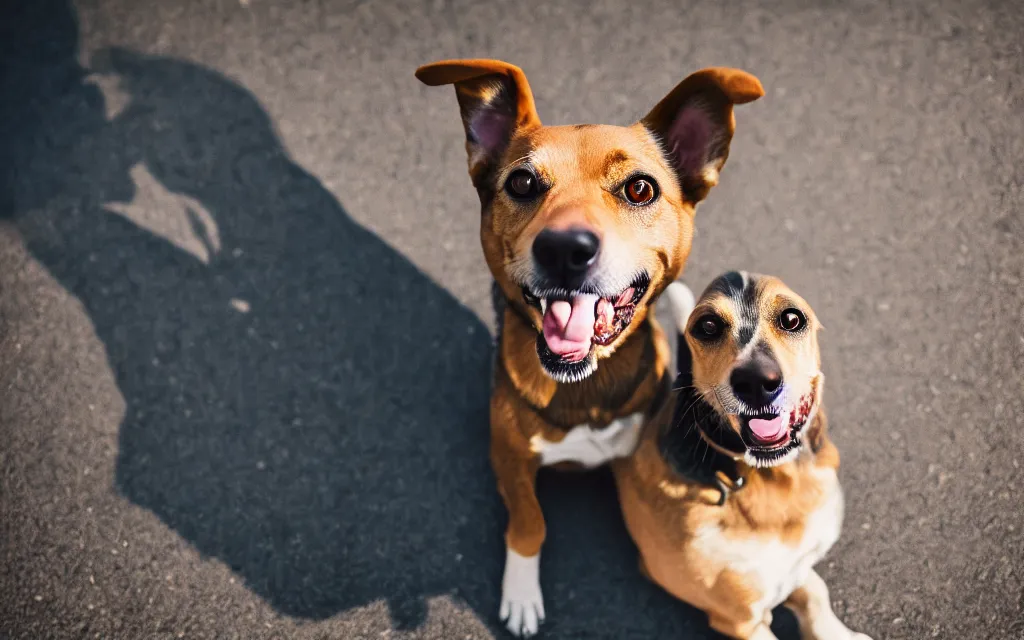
{"x": 764, "y": 457}
{"x": 563, "y": 370}
{"x": 763, "y": 451}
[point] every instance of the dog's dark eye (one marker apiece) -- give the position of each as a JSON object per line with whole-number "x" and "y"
{"x": 640, "y": 190}
{"x": 522, "y": 185}
{"x": 708, "y": 327}
{"x": 792, "y": 320}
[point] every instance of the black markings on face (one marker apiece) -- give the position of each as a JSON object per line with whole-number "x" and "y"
{"x": 741, "y": 288}
{"x": 727, "y": 283}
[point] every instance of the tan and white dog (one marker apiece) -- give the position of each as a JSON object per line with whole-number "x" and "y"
{"x": 582, "y": 227}
{"x": 732, "y": 495}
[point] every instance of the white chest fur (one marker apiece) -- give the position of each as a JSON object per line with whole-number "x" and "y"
{"x": 773, "y": 567}
{"x": 591, "y": 447}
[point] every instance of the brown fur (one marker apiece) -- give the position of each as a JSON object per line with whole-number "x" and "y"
{"x": 584, "y": 164}
{"x": 666, "y": 512}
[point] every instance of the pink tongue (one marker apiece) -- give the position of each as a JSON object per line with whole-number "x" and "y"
{"x": 569, "y": 326}
{"x": 767, "y": 430}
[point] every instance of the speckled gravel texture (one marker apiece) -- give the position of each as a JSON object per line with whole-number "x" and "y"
{"x": 245, "y": 322}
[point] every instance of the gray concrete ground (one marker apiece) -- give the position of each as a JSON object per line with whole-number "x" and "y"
{"x": 244, "y": 322}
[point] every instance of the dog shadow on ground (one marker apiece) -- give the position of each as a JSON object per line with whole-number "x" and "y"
{"x": 302, "y": 402}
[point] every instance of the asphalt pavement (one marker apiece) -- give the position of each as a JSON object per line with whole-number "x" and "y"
{"x": 245, "y": 327}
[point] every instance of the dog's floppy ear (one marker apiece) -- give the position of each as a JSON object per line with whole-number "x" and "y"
{"x": 695, "y": 123}
{"x": 495, "y": 101}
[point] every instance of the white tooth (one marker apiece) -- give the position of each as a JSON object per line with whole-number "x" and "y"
{"x": 543, "y": 306}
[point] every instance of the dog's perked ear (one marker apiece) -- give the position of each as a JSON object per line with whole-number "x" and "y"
{"x": 496, "y": 102}
{"x": 695, "y": 123}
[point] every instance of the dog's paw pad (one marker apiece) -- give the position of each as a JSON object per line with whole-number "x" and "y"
{"x": 522, "y": 604}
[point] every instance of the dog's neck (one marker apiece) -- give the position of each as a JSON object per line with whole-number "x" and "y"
{"x": 632, "y": 379}
{"x": 695, "y": 439}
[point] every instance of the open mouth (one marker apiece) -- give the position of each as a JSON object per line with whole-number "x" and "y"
{"x": 575, "y": 321}
{"x": 772, "y": 438}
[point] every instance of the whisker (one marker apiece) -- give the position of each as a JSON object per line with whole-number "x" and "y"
{"x": 518, "y": 160}
{"x": 687, "y": 410}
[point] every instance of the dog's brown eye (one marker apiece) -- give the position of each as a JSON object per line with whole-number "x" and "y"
{"x": 640, "y": 190}
{"x": 708, "y": 327}
{"x": 792, "y": 320}
{"x": 521, "y": 185}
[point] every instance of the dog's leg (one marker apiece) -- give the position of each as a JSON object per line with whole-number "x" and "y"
{"x": 515, "y": 466}
{"x": 752, "y": 629}
{"x": 813, "y": 610}
{"x": 734, "y": 617}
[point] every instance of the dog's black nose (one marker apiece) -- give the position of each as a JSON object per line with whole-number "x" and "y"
{"x": 565, "y": 256}
{"x": 757, "y": 382}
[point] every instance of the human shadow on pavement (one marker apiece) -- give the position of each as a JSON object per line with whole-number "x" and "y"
{"x": 302, "y": 402}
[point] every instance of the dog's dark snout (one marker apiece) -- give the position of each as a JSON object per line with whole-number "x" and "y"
{"x": 757, "y": 382}
{"x": 565, "y": 256}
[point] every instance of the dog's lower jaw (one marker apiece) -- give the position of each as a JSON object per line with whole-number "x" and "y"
{"x": 522, "y": 604}
{"x": 565, "y": 372}
{"x": 562, "y": 371}
{"x": 610, "y": 323}
{"x": 790, "y": 454}
{"x": 805, "y": 410}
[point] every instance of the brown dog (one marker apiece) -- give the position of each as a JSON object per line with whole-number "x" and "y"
{"x": 732, "y": 494}
{"x": 583, "y": 227}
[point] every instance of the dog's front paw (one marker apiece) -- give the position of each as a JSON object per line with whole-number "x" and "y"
{"x": 522, "y": 605}
{"x": 859, "y": 636}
